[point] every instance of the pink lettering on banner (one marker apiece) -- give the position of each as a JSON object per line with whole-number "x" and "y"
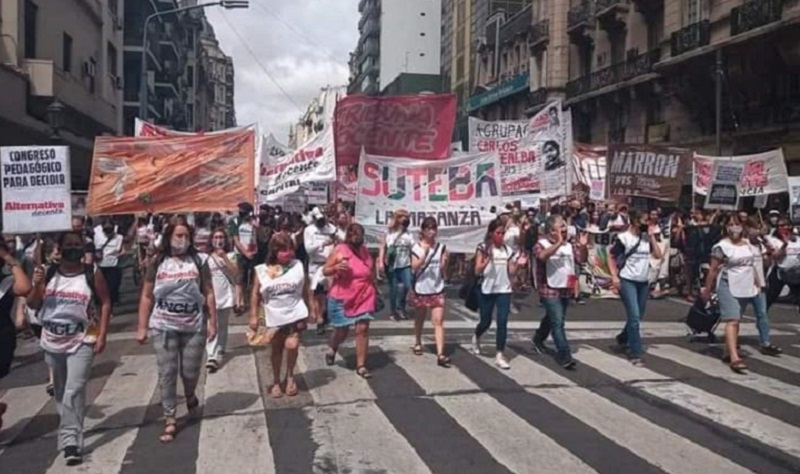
{"x": 755, "y": 175}
{"x": 702, "y": 170}
{"x": 418, "y": 126}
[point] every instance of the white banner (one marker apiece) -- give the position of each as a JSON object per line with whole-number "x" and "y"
{"x": 459, "y": 192}
{"x": 724, "y": 189}
{"x": 552, "y": 145}
{"x": 37, "y": 188}
{"x": 519, "y": 168}
{"x": 794, "y": 189}
{"x": 317, "y": 193}
{"x": 315, "y": 160}
{"x": 764, "y": 173}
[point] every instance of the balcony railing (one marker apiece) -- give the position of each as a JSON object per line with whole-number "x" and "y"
{"x": 691, "y": 37}
{"x": 754, "y": 14}
{"x": 603, "y": 5}
{"x": 634, "y": 66}
{"x": 539, "y": 32}
{"x": 538, "y": 97}
{"x": 580, "y": 15}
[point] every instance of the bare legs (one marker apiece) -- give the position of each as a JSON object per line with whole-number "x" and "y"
{"x": 288, "y": 346}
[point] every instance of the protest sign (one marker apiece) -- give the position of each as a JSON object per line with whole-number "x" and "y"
{"x": 36, "y": 189}
{"x": 285, "y": 174}
{"x": 794, "y": 189}
{"x": 410, "y": 126}
{"x": 519, "y": 173}
{"x": 316, "y": 193}
{"x": 723, "y": 191}
{"x": 195, "y": 173}
{"x": 346, "y": 185}
{"x": 589, "y": 169}
{"x": 459, "y": 192}
{"x": 647, "y": 171}
{"x": 547, "y": 137}
{"x": 764, "y": 173}
{"x": 79, "y": 204}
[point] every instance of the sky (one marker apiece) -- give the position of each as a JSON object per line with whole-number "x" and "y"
{"x": 309, "y": 54}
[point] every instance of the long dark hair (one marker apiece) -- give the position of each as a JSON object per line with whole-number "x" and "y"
{"x": 165, "y": 249}
{"x": 493, "y": 226}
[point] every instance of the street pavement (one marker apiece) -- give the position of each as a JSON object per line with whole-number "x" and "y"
{"x": 684, "y": 412}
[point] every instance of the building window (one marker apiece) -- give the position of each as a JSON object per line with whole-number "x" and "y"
{"x": 31, "y": 12}
{"x": 112, "y": 60}
{"x": 691, "y": 11}
{"x": 113, "y": 8}
{"x": 66, "y": 53}
{"x": 92, "y": 75}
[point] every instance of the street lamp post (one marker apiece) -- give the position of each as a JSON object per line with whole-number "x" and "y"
{"x": 55, "y": 118}
{"x": 227, "y": 4}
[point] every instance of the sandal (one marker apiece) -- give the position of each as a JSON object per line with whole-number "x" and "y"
{"x": 739, "y": 366}
{"x": 291, "y": 389}
{"x": 330, "y": 358}
{"x": 443, "y": 361}
{"x": 170, "y": 430}
{"x": 417, "y": 349}
{"x": 275, "y": 391}
{"x": 363, "y": 372}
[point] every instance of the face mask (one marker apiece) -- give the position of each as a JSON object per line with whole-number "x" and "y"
{"x": 357, "y": 241}
{"x": 179, "y": 246}
{"x": 773, "y": 220}
{"x": 321, "y": 222}
{"x": 218, "y": 243}
{"x": 72, "y": 255}
{"x": 735, "y": 230}
{"x": 404, "y": 224}
{"x": 285, "y": 257}
{"x": 497, "y": 239}
{"x": 108, "y": 230}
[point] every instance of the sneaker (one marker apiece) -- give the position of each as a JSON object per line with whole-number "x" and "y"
{"x": 501, "y": 362}
{"x": 538, "y": 346}
{"x": 50, "y": 390}
{"x": 72, "y": 456}
{"x": 569, "y": 365}
{"x": 476, "y": 345}
{"x": 212, "y": 366}
{"x": 771, "y": 350}
{"x": 637, "y": 362}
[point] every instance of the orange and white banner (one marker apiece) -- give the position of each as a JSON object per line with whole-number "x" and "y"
{"x": 192, "y": 173}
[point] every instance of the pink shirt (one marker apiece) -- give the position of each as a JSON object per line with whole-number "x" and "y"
{"x": 354, "y": 286}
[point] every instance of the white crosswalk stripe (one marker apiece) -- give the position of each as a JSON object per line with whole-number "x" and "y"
{"x": 786, "y": 362}
{"x": 350, "y": 430}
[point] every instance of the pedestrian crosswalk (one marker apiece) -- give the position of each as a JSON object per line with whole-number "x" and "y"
{"x": 685, "y": 412}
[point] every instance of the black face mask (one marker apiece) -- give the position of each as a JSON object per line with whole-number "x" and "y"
{"x": 357, "y": 242}
{"x": 108, "y": 230}
{"x": 322, "y": 222}
{"x": 404, "y": 224}
{"x": 72, "y": 255}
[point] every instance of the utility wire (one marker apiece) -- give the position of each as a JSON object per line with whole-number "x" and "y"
{"x": 261, "y": 65}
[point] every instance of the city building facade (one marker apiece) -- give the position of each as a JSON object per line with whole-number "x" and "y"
{"x": 65, "y": 51}
{"x": 399, "y": 48}
{"x": 318, "y": 113}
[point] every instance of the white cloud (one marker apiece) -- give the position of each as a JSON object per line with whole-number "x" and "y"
{"x": 302, "y": 63}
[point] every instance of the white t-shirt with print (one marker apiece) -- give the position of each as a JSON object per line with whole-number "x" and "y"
{"x": 637, "y": 265}
{"x": 792, "y": 258}
{"x": 224, "y": 288}
{"x": 429, "y": 280}
{"x": 179, "y": 299}
{"x": 282, "y": 297}
{"x": 738, "y": 267}
{"x": 495, "y": 276}
{"x": 403, "y": 242}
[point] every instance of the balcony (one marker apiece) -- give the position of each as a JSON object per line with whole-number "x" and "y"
{"x": 539, "y": 34}
{"x": 611, "y": 14}
{"x": 361, "y": 5}
{"x": 636, "y": 65}
{"x": 371, "y": 28}
{"x": 755, "y": 14}
{"x": 40, "y": 76}
{"x": 691, "y": 37}
{"x": 580, "y": 18}
{"x": 538, "y": 97}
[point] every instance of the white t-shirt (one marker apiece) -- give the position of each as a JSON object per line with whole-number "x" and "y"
{"x": 111, "y": 249}
{"x": 402, "y": 241}
{"x": 282, "y": 296}
{"x": 560, "y": 267}
{"x": 495, "y": 276}
{"x": 314, "y": 240}
{"x": 178, "y": 296}
{"x": 68, "y": 315}
{"x": 224, "y": 287}
{"x": 202, "y": 237}
{"x": 637, "y": 265}
{"x": 792, "y": 258}
{"x": 429, "y": 280}
{"x": 247, "y": 236}
{"x": 511, "y": 238}
{"x": 739, "y": 267}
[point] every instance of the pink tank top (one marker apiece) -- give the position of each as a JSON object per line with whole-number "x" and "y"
{"x": 354, "y": 286}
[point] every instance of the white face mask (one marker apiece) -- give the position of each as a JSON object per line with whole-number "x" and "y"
{"x": 735, "y": 230}
{"x": 179, "y": 246}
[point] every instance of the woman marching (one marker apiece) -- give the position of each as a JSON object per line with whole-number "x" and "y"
{"x": 72, "y": 333}
{"x": 631, "y": 275}
{"x": 497, "y": 265}
{"x": 394, "y": 260}
{"x": 428, "y": 261}
{"x": 738, "y": 282}
{"x": 280, "y": 288}
{"x": 178, "y": 308}
{"x": 351, "y": 298}
{"x": 228, "y": 295}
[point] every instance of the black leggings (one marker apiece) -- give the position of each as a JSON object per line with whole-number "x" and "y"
{"x": 775, "y": 286}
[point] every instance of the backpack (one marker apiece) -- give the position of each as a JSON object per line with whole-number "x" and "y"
{"x": 622, "y": 258}
{"x": 88, "y": 273}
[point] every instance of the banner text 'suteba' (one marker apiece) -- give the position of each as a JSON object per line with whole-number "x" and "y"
{"x": 434, "y": 184}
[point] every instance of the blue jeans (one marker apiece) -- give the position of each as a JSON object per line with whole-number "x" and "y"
{"x": 634, "y": 296}
{"x": 397, "y": 296}
{"x": 731, "y": 309}
{"x": 487, "y": 304}
{"x": 553, "y": 322}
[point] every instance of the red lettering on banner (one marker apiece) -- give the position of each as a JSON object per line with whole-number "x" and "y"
{"x": 703, "y": 173}
{"x": 373, "y": 172}
{"x": 755, "y": 175}
{"x": 415, "y": 175}
{"x": 403, "y": 126}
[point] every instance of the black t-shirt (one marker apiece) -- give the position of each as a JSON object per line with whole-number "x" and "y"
{"x": 6, "y": 303}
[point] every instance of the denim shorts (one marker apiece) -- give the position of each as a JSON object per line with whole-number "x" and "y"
{"x": 338, "y": 319}
{"x": 732, "y": 308}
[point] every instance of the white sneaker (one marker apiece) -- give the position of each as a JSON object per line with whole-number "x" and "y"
{"x": 476, "y": 345}
{"x": 501, "y": 362}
